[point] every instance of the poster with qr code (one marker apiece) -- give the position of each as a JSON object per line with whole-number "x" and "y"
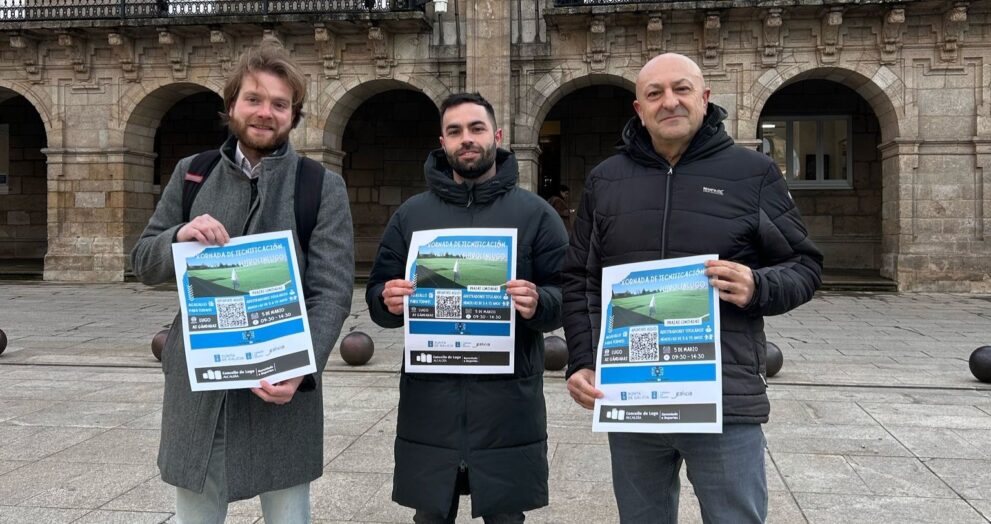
{"x": 659, "y": 359}
{"x": 243, "y": 312}
{"x": 459, "y": 318}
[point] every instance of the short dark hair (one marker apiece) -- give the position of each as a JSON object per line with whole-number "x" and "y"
{"x": 468, "y": 98}
{"x": 562, "y": 188}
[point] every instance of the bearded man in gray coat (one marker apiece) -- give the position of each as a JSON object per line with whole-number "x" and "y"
{"x": 222, "y": 446}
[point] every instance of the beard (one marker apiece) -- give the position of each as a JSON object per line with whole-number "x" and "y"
{"x": 239, "y": 128}
{"x": 472, "y": 169}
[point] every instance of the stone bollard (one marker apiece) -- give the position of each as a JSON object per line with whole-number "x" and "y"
{"x": 774, "y": 359}
{"x": 158, "y": 343}
{"x": 555, "y": 353}
{"x": 980, "y": 363}
{"x": 357, "y": 348}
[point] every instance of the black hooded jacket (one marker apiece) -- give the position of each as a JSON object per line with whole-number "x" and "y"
{"x": 719, "y": 199}
{"x": 492, "y": 426}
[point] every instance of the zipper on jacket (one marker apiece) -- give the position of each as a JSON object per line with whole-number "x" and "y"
{"x": 464, "y": 428}
{"x": 667, "y": 213}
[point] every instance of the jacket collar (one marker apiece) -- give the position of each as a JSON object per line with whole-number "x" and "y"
{"x": 708, "y": 140}
{"x": 440, "y": 179}
{"x": 230, "y": 153}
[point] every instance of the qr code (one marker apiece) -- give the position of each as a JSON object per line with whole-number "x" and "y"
{"x": 231, "y": 313}
{"x": 643, "y": 344}
{"x": 447, "y": 304}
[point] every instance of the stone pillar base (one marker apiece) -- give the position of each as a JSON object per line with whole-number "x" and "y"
{"x": 332, "y": 158}
{"x": 86, "y": 260}
{"x": 99, "y": 201}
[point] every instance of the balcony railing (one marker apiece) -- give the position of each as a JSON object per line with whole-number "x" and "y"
{"x": 40, "y": 10}
{"x": 577, "y": 3}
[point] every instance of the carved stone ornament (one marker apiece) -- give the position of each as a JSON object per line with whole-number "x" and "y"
{"x": 829, "y": 44}
{"x": 954, "y": 25}
{"x": 326, "y": 45}
{"x": 175, "y": 49}
{"x": 712, "y": 39}
{"x": 772, "y": 37}
{"x": 123, "y": 50}
{"x": 27, "y": 52}
{"x": 223, "y": 48}
{"x": 379, "y": 46}
{"x": 597, "y": 49}
{"x": 891, "y": 34}
{"x": 76, "y": 46}
{"x": 655, "y": 35}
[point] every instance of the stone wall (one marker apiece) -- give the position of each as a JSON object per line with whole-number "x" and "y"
{"x": 385, "y": 144}
{"x": 919, "y": 213}
{"x": 591, "y": 120}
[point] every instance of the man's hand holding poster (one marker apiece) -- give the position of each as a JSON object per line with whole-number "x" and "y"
{"x": 243, "y": 312}
{"x": 459, "y": 318}
{"x": 659, "y": 363}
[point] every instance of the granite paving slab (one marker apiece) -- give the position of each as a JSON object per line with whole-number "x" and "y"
{"x": 875, "y": 417}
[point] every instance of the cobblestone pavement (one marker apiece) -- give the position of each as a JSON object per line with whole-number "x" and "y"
{"x": 875, "y": 415}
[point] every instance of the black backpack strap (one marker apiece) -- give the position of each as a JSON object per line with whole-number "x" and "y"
{"x": 309, "y": 188}
{"x": 199, "y": 169}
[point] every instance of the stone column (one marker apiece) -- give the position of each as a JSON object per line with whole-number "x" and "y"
{"x": 528, "y": 156}
{"x": 97, "y": 208}
{"x": 982, "y": 188}
{"x": 489, "y": 34}
{"x": 328, "y": 156}
{"x": 899, "y": 161}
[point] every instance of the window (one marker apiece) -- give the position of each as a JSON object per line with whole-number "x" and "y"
{"x": 4, "y": 158}
{"x": 811, "y": 151}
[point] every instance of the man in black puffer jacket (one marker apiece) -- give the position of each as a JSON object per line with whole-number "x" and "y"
{"x": 486, "y": 434}
{"x": 679, "y": 187}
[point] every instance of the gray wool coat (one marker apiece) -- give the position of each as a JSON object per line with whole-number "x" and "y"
{"x": 268, "y": 447}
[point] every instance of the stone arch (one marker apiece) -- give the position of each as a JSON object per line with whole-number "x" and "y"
{"x": 875, "y": 245}
{"x": 143, "y": 106}
{"x": 551, "y": 88}
{"x": 341, "y": 99}
{"x": 41, "y": 103}
{"x": 24, "y": 194}
{"x": 878, "y": 85}
{"x": 381, "y": 131}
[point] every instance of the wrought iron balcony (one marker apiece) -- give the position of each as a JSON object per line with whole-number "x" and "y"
{"x": 46, "y": 10}
{"x": 578, "y": 3}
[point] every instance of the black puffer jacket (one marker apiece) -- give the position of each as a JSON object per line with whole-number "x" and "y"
{"x": 494, "y": 426}
{"x": 718, "y": 199}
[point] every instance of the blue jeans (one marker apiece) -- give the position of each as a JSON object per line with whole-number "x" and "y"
{"x": 284, "y": 506}
{"x": 726, "y": 470}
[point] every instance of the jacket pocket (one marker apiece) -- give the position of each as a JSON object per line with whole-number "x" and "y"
{"x": 431, "y": 411}
{"x": 506, "y": 412}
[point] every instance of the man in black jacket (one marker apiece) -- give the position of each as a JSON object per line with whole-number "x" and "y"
{"x": 679, "y": 187}
{"x": 483, "y": 434}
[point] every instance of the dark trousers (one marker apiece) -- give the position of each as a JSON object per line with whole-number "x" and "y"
{"x": 726, "y": 470}
{"x": 426, "y": 517}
